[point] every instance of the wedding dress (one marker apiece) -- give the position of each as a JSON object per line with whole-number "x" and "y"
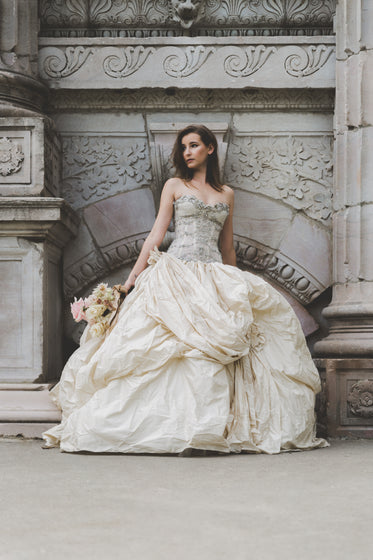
{"x": 203, "y": 356}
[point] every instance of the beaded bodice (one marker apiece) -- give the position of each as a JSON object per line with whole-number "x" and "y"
{"x": 197, "y": 228}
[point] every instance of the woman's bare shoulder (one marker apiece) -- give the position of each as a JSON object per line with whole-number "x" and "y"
{"x": 229, "y": 192}
{"x": 172, "y": 186}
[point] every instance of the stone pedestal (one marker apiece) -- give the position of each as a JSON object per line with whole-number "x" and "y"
{"x": 34, "y": 231}
{"x": 349, "y": 396}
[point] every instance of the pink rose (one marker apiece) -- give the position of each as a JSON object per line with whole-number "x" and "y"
{"x": 77, "y": 310}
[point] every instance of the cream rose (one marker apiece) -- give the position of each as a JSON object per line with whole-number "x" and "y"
{"x": 98, "y": 329}
{"x": 94, "y": 311}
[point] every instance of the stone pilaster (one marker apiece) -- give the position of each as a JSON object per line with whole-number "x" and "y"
{"x": 35, "y": 225}
{"x": 350, "y": 313}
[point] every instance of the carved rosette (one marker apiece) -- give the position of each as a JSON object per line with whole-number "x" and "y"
{"x": 11, "y": 158}
{"x": 360, "y": 398}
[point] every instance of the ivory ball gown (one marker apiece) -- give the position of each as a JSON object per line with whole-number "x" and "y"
{"x": 203, "y": 356}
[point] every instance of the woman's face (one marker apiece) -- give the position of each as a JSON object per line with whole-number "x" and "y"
{"x": 195, "y": 152}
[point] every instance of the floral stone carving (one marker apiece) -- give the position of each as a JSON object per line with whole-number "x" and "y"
{"x": 297, "y": 169}
{"x": 94, "y": 167}
{"x": 360, "y": 398}
{"x": 11, "y": 158}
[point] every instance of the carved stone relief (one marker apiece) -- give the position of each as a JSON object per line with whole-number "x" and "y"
{"x": 96, "y": 167}
{"x": 274, "y": 265}
{"x": 61, "y": 64}
{"x": 11, "y": 157}
{"x": 195, "y": 99}
{"x": 294, "y": 168}
{"x": 360, "y": 398}
{"x": 187, "y": 12}
{"x": 193, "y": 63}
{"x": 146, "y": 18}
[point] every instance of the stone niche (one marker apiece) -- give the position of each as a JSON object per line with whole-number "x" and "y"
{"x": 116, "y": 149}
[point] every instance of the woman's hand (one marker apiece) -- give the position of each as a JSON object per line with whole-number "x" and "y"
{"x": 125, "y": 288}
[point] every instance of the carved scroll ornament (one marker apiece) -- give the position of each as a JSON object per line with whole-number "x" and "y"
{"x": 129, "y": 60}
{"x": 186, "y": 62}
{"x": 308, "y": 61}
{"x": 249, "y": 62}
{"x": 66, "y": 62}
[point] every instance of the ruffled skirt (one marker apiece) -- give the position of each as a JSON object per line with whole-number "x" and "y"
{"x": 203, "y": 356}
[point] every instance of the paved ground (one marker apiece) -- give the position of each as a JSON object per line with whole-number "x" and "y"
{"x": 310, "y": 505}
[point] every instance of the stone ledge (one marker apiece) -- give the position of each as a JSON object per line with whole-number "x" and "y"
{"x": 27, "y": 403}
{"x": 27, "y": 430}
{"x": 38, "y": 217}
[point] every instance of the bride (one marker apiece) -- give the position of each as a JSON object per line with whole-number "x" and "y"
{"x": 203, "y": 355}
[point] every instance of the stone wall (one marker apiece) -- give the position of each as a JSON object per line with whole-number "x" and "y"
{"x": 91, "y": 98}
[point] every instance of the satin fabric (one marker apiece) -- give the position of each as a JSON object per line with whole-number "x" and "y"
{"x": 203, "y": 356}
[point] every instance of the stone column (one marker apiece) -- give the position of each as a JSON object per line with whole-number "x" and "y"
{"x": 350, "y": 314}
{"x": 35, "y": 225}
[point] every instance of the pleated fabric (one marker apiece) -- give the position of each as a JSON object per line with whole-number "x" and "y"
{"x": 203, "y": 356}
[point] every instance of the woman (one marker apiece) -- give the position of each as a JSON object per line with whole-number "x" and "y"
{"x": 204, "y": 355}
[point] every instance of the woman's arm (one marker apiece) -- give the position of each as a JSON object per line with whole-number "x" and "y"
{"x": 226, "y": 236}
{"x": 156, "y": 235}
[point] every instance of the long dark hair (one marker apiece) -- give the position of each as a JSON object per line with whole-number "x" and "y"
{"x": 207, "y": 137}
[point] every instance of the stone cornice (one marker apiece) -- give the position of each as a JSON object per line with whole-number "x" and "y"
{"x": 39, "y": 218}
{"x": 164, "y": 18}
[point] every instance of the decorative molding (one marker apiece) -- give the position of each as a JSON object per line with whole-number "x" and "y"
{"x": 175, "y": 99}
{"x": 96, "y": 265}
{"x": 234, "y": 63}
{"x": 127, "y": 62}
{"x": 309, "y": 61}
{"x": 186, "y": 62}
{"x": 249, "y": 62}
{"x": 64, "y": 63}
{"x": 360, "y": 398}
{"x": 11, "y": 157}
{"x": 136, "y": 13}
{"x": 272, "y": 13}
{"x": 96, "y": 167}
{"x": 275, "y": 266}
{"x": 145, "y": 18}
{"x": 296, "y": 168}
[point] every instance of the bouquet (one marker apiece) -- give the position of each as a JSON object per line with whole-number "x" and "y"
{"x": 99, "y": 309}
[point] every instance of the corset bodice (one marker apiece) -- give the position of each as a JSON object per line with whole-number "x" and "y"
{"x": 197, "y": 228}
